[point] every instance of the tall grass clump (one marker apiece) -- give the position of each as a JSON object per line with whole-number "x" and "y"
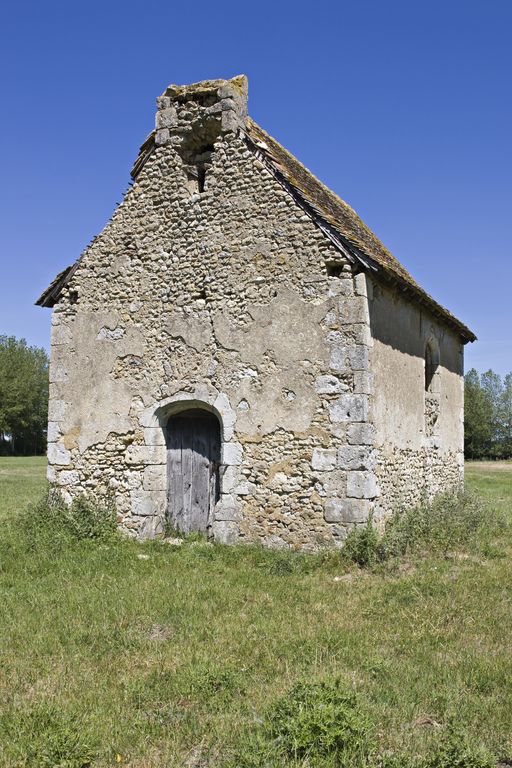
{"x": 452, "y": 522}
{"x": 53, "y": 522}
{"x": 316, "y": 723}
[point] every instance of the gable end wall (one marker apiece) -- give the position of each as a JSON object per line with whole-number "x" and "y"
{"x": 219, "y": 299}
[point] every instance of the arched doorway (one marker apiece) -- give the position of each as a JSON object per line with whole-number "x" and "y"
{"x": 193, "y": 459}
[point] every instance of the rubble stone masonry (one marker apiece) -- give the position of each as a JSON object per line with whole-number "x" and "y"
{"x": 210, "y": 287}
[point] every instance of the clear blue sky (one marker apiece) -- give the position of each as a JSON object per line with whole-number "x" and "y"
{"x": 404, "y": 108}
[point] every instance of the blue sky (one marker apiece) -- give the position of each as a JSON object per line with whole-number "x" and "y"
{"x": 403, "y": 108}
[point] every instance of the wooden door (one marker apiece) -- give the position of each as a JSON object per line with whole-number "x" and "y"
{"x": 193, "y": 458}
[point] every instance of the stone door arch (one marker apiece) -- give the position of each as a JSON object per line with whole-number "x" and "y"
{"x": 193, "y": 440}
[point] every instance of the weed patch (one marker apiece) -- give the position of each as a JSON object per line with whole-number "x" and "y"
{"x": 45, "y": 737}
{"x": 50, "y": 522}
{"x": 452, "y": 522}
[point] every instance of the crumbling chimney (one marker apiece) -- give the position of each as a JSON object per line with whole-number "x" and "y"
{"x": 192, "y": 117}
{"x": 209, "y": 108}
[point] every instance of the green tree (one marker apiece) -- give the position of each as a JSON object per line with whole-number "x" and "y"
{"x": 506, "y": 408}
{"x": 478, "y": 417}
{"x": 492, "y": 387}
{"x": 23, "y": 396}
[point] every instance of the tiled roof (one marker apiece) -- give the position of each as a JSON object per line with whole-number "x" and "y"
{"x": 343, "y": 223}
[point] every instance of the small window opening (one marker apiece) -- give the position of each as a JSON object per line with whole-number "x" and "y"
{"x": 73, "y": 297}
{"x": 431, "y": 365}
{"x": 201, "y": 176}
{"x": 197, "y": 156}
{"x": 334, "y": 270}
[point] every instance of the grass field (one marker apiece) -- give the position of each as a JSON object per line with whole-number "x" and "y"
{"x": 151, "y": 655}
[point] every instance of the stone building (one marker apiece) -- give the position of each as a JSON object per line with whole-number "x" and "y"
{"x": 238, "y": 353}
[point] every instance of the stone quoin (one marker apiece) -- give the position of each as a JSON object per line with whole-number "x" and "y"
{"x": 237, "y": 353}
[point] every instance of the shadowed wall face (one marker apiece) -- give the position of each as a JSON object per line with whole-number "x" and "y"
{"x": 418, "y": 400}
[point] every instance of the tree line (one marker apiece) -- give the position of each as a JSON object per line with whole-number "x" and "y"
{"x": 487, "y": 415}
{"x": 23, "y": 397}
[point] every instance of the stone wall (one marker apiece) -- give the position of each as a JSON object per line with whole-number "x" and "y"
{"x": 210, "y": 288}
{"x": 418, "y": 431}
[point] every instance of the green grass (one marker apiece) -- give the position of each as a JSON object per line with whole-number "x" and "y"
{"x": 22, "y": 479}
{"x": 151, "y": 655}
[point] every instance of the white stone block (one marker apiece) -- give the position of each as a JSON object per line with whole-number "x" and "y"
{"x": 51, "y": 474}
{"x": 54, "y": 433}
{"x": 145, "y": 454}
{"x": 323, "y": 459}
{"x": 225, "y": 531}
{"x": 56, "y": 409}
{"x": 333, "y": 510}
{"x": 356, "y": 457}
{"x": 338, "y": 361}
{"x": 362, "y": 485}
{"x": 353, "y": 310}
{"x": 58, "y": 372}
{"x": 346, "y": 510}
{"x": 361, "y": 434}
{"x": 358, "y": 357}
{"x": 57, "y": 454}
{"x": 155, "y": 477}
{"x": 61, "y": 334}
{"x": 231, "y": 454}
{"x": 329, "y": 385}
{"x": 230, "y": 478}
{"x": 68, "y": 477}
{"x": 361, "y": 334}
{"x": 152, "y": 526}
{"x": 363, "y": 383}
{"x": 143, "y": 503}
{"x": 154, "y": 436}
{"x": 349, "y": 408}
{"x": 360, "y": 284}
{"x": 227, "y": 509}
